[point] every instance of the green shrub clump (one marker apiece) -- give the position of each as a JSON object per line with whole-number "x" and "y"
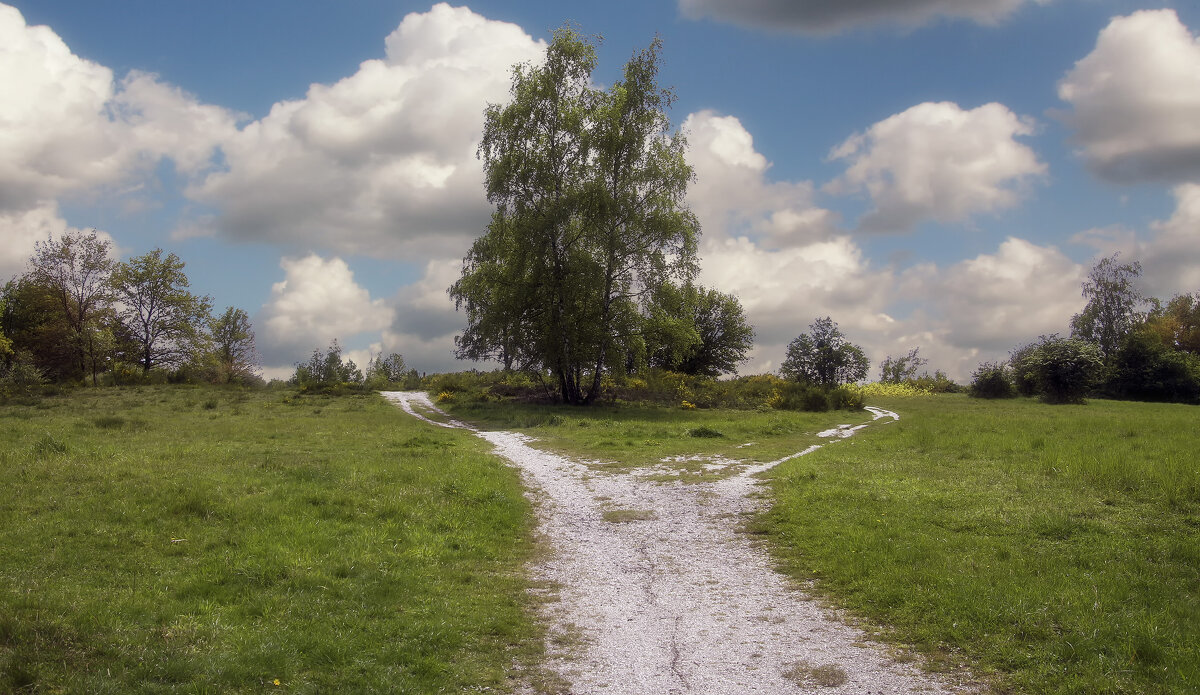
{"x": 992, "y": 380}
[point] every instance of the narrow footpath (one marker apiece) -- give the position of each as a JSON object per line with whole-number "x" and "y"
{"x": 666, "y": 596}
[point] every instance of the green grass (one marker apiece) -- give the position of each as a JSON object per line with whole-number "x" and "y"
{"x": 171, "y": 539}
{"x": 1055, "y": 549}
{"x": 628, "y": 436}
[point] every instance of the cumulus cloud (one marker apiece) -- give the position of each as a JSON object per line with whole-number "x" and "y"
{"x": 1169, "y": 252}
{"x": 21, "y": 230}
{"x": 1136, "y": 100}
{"x": 733, "y": 195}
{"x": 986, "y": 303}
{"x": 70, "y": 128}
{"x": 317, "y": 301}
{"x": 383, "y": 161}
{"x": 938, "y": 161}
{"x": 832, "y": 16}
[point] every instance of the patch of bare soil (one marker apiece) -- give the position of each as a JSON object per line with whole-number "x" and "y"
{"x": 660, "y": 592}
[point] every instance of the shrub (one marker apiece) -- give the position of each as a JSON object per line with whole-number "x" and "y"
{"x": 1064, "y": 369}
{"x": 1146, "y": 369}
{"x": 992, "y": 380}
{"x": 22, "y": 377}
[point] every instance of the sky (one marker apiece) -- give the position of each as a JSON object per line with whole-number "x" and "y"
{"x": 937, "y": 174}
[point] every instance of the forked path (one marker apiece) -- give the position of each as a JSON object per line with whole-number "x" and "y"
{"x": 665, "y": 596}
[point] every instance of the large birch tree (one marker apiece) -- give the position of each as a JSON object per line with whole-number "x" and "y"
{"x": 589, "y": 218}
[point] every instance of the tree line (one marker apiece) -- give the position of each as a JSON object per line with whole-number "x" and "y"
{"x": 1122, "y": 345}
{"x": 77, "y": 315}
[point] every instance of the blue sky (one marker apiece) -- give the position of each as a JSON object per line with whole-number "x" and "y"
{"x": 928, "y": 173}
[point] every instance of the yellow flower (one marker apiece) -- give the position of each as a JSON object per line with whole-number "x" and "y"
{"x": 276, "y": 681}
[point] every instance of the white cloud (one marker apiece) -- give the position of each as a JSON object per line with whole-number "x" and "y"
{"x": 732, "y": 195}
{"x": 21, "y": 230}
{"x": 1169, "y": 253}
{"x": 383, "y": 161}
{"x": 317, "y": 301}
{"x": 832, "y": 16}
{"x": 1136, "y": 100}
{"x": 994, "y": 301}
{"x": 69, "y": 128}
{"x": 937, "y": 161}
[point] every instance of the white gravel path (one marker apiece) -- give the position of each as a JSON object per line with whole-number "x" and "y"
{"x": 676, "y": 600}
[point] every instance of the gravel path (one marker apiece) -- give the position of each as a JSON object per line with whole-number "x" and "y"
{"x": 666, "y": 596}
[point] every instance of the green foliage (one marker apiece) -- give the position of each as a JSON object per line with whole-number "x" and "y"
{"x": 232, "y": 356}
{"x": 1064, "y": 369}
{"x": 166, "y": 322}
{"x": 697, "y": 331}
{"x": 70, "y": 301}
{"x": 896, "y": 370}
{"x": 213, "y": 540}
{"x": 992, "y": 380}
{"x": 328, "y": 373}
{"x": 390, "y": 373}
{"x": 1021, "y": 370}
{"x": 1114, "y": 306}
{"x": 824, "y": 357}
{"x": 1178, "y": 323}
{"x": 1052, "y": 549}
{"x": 1146, "y": 369}
{"x": 20, "y": 377}
{"x": 588, "y": 187}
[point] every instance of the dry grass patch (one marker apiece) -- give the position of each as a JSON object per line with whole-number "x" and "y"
{"x": 621, "y": 516}
{"x": 806, "y": 675}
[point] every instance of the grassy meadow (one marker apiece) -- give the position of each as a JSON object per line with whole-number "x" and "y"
{"x": 1052, "y": 549}
{"x": 200, "y": 540}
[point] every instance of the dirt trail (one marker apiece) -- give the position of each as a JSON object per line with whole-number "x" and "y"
{"x": 667, "y": 597}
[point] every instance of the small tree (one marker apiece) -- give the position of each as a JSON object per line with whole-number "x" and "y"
{"x": 824, "y": 357}
{"x": 1064, "y": 369}
{"x": 233, "y": 355}
{"x": 1114, "y": 305}
{"x": 385, "y": 371}
{"x": 165, "y": 320}
{"x": 323, "y": 371}
{"x": 75, "y": 269}
{"x": 895, "y": 370}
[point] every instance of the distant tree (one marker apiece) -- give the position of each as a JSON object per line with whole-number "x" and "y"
{"x": 382, "y": 371}
{"x": 75, "y": 269}
{"x": 588, "y": 187}
{"x": 1177, "y": 324}
{"x": 895, "y": 370}
{"x": 824, "y": 357}
{"x": 233, "y": 353}
{"x": 165, "y": 321}
{"x": 1064, "y": 369}
{"x": 1113, "y": 308}
{"x": 1147, "y": 368}
{"x": 326, "y": 370}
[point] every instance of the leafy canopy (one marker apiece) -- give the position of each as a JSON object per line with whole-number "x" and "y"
{"x": 824, "y": 357}
{"x": 589, "y": 219}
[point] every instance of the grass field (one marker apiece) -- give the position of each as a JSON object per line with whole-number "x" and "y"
{"x": 210, "y": 541}
{"x": 1052, "y": 549}
{"x": 1055, "y": 549}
